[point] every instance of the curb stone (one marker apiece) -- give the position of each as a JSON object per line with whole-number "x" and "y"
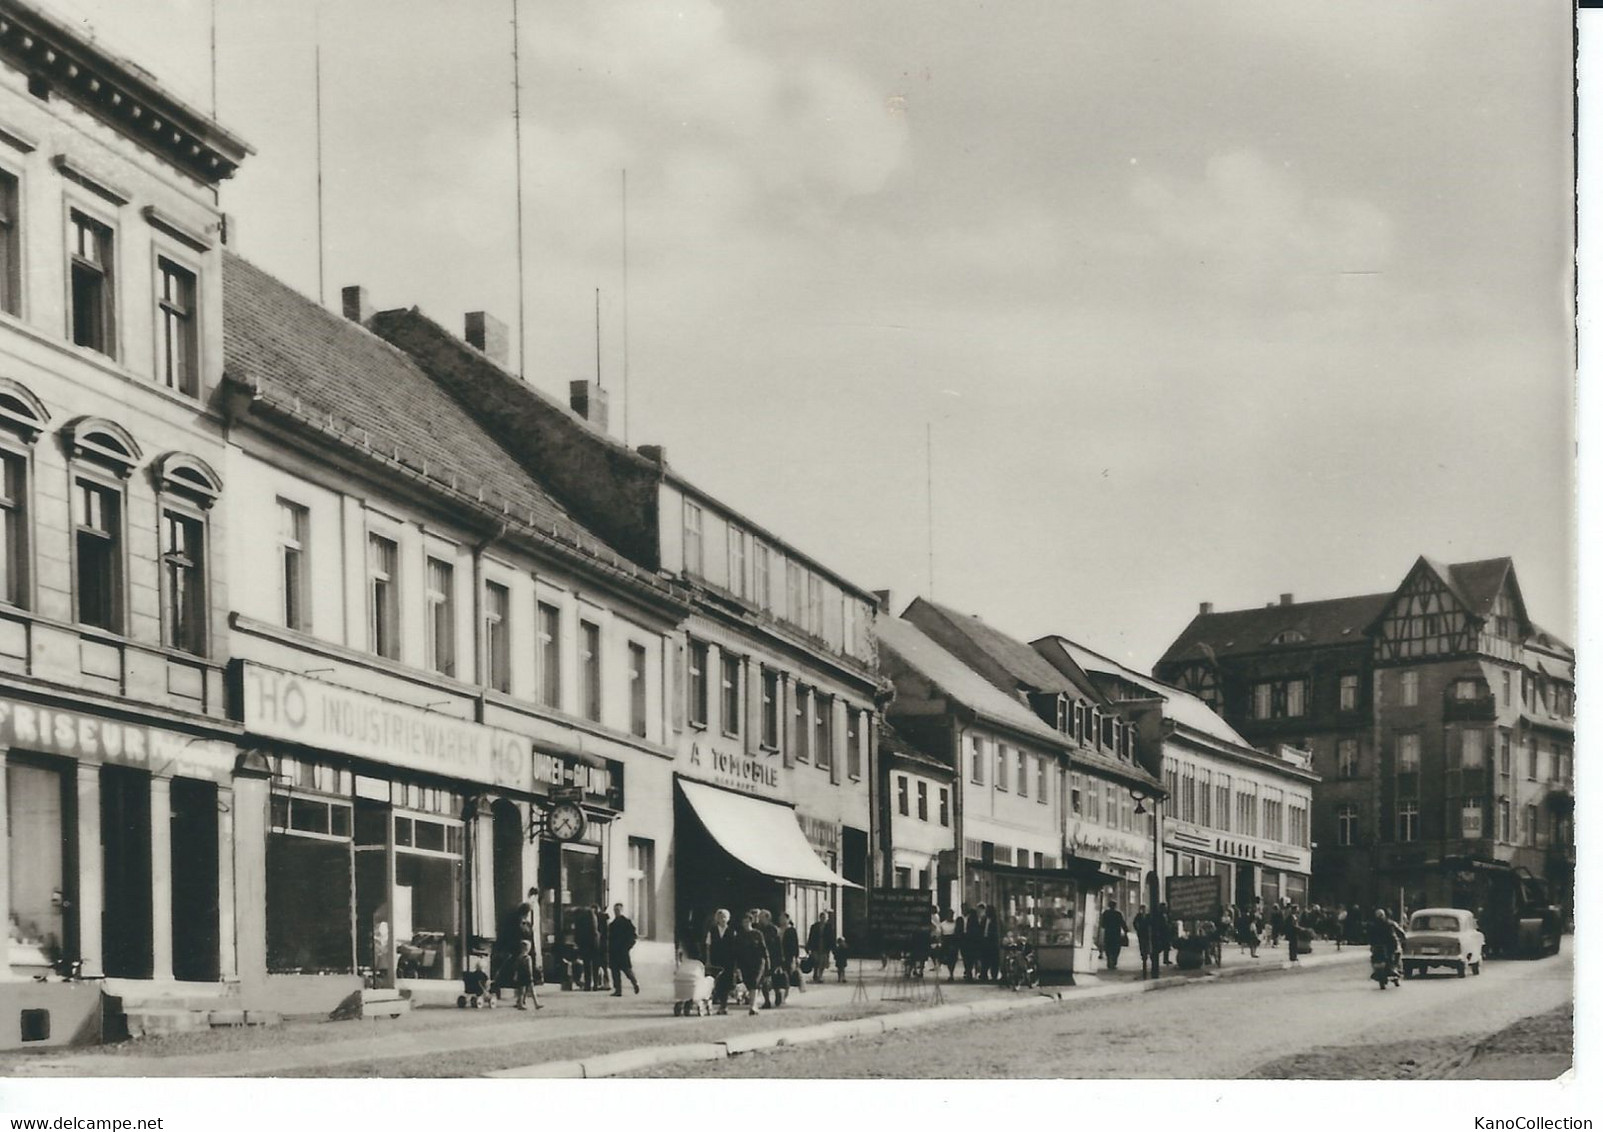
{"x": 647, "y": 1057}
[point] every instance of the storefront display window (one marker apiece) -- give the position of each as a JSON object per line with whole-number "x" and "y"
{"x": 36, "y": 801}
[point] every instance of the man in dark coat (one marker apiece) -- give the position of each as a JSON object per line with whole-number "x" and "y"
{"x": 1111, "y": 928}
{"x": 790, "y": 948}
{"x": 621, "y": 936}
{"x": 970, "y": 941}
{"x": 718, "y": 954}
{"x": 991, "y": 951}
{"x": 1143, "y": 935}
{"x": 1277, "y": 924}
{"x": 821, "y": 944}
{"x": 1292, "y": 925}
{"x": 777, "y": 982}
{"x": 1162, "y": 936}
{"x": 586, "y": 941}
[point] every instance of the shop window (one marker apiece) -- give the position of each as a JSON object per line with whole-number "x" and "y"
{"x": 729, "y": 694}
{"x": 37, "y": 811}
{"x": 770, "y": 693}
{"x": 590, "y": 669}
{"x": 183, "y": 565}
{"x": 699, "y": 660}
{"x": 178, "y": 366}
{"x": 550, "y": 654}
{"x": 642, "y": 891}
{"x": 294, "y": 533}
{"x": 637, "y": 691}
{"x": 93, "y": 284}
{"x": 902, "y": 804}
{"x": 383, "y": 600}
{"x": 10, "y": 245}
{"x": 497, "y": 637}
{"x": 923, "y": 801}
{"x": 98, "y": 535}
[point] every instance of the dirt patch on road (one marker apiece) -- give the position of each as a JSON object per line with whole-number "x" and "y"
{"x": 1540, "y": 1047}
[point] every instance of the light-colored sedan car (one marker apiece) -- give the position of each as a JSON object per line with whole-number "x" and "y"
{"x": 1442, "y": 937}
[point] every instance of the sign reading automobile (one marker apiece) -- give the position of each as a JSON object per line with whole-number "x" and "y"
{"x": 282, "y": 705}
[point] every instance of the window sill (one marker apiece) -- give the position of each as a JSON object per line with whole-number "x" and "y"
{"x": 696, "y": 725}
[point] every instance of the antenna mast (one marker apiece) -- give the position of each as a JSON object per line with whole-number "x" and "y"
{"x": 598, "y": 337}
{"x": 317, "y": 33}
{"x": 929, "y": 500}
{"x": 517, "y": 142}
{"x": 626, "y": 307}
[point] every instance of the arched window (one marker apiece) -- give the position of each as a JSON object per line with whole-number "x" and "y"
{"x": 104, "y": 442}
{"x": 188, "y": 476}
{"x": 102, "y": 456}
{"x": 20, "y": 411}
{"x": 22, "y": 419}
{"x": 186, "y": 488}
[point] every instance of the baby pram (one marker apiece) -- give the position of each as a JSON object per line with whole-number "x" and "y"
{"x": 476, "y": 988}
{"x": 692, "y": 989}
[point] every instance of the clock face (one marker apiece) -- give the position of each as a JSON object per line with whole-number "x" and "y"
{"x": 565, "y": 822}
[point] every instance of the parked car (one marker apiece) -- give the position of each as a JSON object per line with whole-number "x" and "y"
{"x": 1442, "y": 937}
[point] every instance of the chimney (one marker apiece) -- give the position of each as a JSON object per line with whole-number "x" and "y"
{"x": 356, "y": 304}
{"x": 1205, "y": 608}
{"x": 884, "y": 599}
{"x": 589, "y": 400}
{"x": 656, "y": 453}
{"x": 486, "y": 334}
{"x": 1286, "y": 599}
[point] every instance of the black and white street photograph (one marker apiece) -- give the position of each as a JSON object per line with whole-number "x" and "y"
{"x": 945, "y": 543}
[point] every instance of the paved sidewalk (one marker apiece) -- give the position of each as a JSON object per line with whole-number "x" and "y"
{"x": 586, "y": 1034}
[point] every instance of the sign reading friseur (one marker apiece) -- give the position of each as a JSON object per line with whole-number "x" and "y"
{"x": 283, "y": 705}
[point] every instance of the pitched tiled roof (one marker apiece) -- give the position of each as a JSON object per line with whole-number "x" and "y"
{"x": 330, "y": 373}
{"x": 961, "y": 682}
{"x": 1478, "y": 583}
{"x": 894, "y": 742}
{"x": 1340, "y": 620}
{"x": 1007, "y": 662}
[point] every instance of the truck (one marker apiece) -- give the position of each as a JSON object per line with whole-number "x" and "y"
{"x": 1514, "y": 908}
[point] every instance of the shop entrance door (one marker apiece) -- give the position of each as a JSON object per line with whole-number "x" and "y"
{"x": 508, "y": 848}
{"x": 194, "y": 874}
{"x": 125, "y": 862}
{"x": 39, "y": 812}
{"x": 1246, "y": 889}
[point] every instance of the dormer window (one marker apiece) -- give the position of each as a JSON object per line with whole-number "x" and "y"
{"x": 1289, "y": 637}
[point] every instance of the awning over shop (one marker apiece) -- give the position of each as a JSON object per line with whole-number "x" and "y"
{"x": 760, "y": 835}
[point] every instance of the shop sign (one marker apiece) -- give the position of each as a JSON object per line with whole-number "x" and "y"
{"x": 823, "y": 836}
{"x": 896, "y": 915}
{"x": 283, "y": 705}
{"x": 1194, "y": 897}
{"x": 750, "y": 774}
{"x": 96, "y": 739}
{"x": 599, "y": 784}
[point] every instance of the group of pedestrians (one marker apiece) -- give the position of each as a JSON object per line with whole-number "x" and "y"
{"x": 598, "y": 954}
{"x": 763, "y": 956}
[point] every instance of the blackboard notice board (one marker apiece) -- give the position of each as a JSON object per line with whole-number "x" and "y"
{"x": 896, "y": 914}
{"x": 1195, "y": 898}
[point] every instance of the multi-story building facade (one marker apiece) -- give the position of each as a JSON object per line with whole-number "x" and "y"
{"x": 916, "y": 827}
{"x": 1440, "y": 719}
{"x": 773, "y": 701}
{"x": 1230, "y": 810}
{"x": 119, "y": 756}
{"x": 433, "y": 657}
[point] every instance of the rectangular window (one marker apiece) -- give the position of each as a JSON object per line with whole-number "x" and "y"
{"x": 1296, "y": 698}
{"x": 815, "y": 605}
{"x": 902, "y": 805}
{"x": 1508, "y": 688}
{"x": 762, "y": 576}
{"x": 178, "y": 366}
{"x": 854, "y": 755}
{"x": 1001, "y": 766}
{"x": 13, "y": 529}
{"x": 1040, "y": 781}
{"x": 1408, "y": 821}
{"x": 1262, "y": 700}
{"x": 1505, "y": 821}
{"x": 294, "y": 532}
{"x": 1473, "y": 755}
{"x": 976, "y": 760}
{"x": 549, "y": 623}
{"x": 1532, "y": 825}
{"x": 1410, "y": 686}
{"x": 642, "y": 887}
{"x": 637, "y": 689}
{"x": 97, "y": 529}
{"x": 923, "y": 801}
{"x": 10, "y": 245}
{"x": 1347, "y": 758}
{"x": 183, "y": 549}
{"x": 497, "y": 637}
{"x": 1530, "y": 759}
{"x": 823, "y": 730}
{"x": 383, "y": 600}
{"x": 1471, "y": 823}
{"x": 93, "y": 284}
{"x": 1408, "y": 754}
{"x": 944, "y": 802}
{"x": 1347, "y": 825}
{"x": 1349, "y": 691}
{"x": 1221, "y": 799}
{"x": 699, "y": 659}
{"x": 804, "y": 723}
{"x": 795, "y": 595}
{"x": 737, "y": 562}
{"x": 729, "y": 697}
{"x": 694, "y": 560}
{"x": 590, "y": 669}
{"x": 439, "y": 618}
{"x": 770, "y": 734}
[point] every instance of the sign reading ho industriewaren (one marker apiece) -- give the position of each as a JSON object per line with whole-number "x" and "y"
{"x": 283, "y": 705}
{"x": 1195, "y": 897}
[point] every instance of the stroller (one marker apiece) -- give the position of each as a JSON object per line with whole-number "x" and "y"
{"x": 692, "y": 990}
{"x": 477, "y": 990}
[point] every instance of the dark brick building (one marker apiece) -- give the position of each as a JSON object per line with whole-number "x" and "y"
{"x": 1440, "y": 717}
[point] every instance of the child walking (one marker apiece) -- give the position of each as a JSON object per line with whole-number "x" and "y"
{"x": 523, "y": 977}
{"x": 840, "y": 959}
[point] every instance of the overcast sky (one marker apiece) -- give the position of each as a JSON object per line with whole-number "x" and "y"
{"x": 1200, "y": 301}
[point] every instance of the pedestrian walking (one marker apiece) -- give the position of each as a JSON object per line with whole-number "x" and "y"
{"x": 841, "y": 953}
{"x": 991, "y": 943}
{"x": 718, "y": 952}
{"x": 1291, "y": 924}
{"x": 1277, "y": 924}
{"x": 969, "y": 942}
{"x": 790, "y": 948}
{"x": 948, "y": 931}
{"x": 603, "y": 963}
{"x": 1162, "y": 937}
{"x": 751, "y": 958}
{"x": 586, "y": 932}
{"x": 775, "y": 982}
{"x": 821, "y": 944}
{"x": 1341, "y": 925}
{"x": 621, "y": 937}
{"x": 1143, "y": 935}
{"x": 523, "y": 978}
{"x": 1111, "y": 927}
{"x": 1247, "y": 931}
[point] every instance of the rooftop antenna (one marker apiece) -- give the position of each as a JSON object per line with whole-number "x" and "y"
{"x": 517, "y": 144}
{"x": 929, "y": 500}
{"x": 598, "y": 337}
{"x": 626, "y": 308}
{"x": 317, "y": 32}
{"x": 214, "y": 57}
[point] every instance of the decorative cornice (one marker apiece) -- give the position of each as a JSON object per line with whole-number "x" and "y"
{"x": 117, "y": 92}
{"x": 178, "y": 230}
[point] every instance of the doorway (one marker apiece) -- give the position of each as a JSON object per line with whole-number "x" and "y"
{"x": 507, "y": 846}
{"x": 194, "y": 876}
{"x": 1246, "y": 886}
{"x": 125, "y": 848}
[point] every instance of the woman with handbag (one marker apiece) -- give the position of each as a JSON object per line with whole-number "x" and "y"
{"x": 1112, "y": 930}
{"x": 790, "y": 950}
